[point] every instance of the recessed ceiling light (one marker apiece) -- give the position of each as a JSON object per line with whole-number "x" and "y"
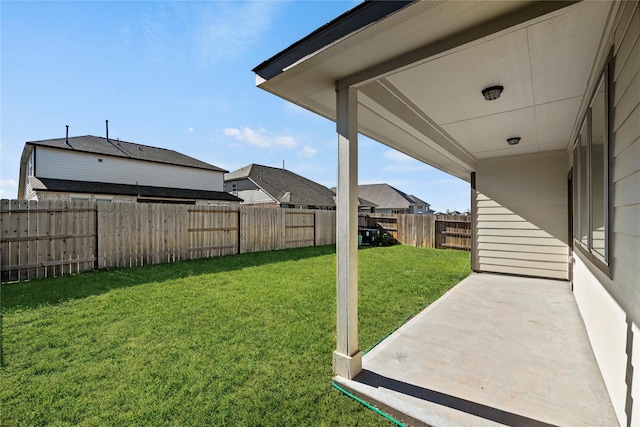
{"x": 492, "y": 92}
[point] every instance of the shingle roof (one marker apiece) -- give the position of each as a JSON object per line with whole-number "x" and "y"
{"x": 360, "y": 16}
{"x": 416, "y": 200}
{"x": 117, "y": 148}
{"x": 388, "y": 197}
{"x": 285, "y": 186}
{"x": 69, "y": 186}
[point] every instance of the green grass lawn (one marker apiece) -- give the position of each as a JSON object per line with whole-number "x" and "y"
{"x": 240, "y": 340}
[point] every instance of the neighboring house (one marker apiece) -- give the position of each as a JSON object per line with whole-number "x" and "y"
{"x": 264, "y": 185}
{"x": 95, "y": 168}
{"x": 390, "y": 200}
{"x": 536, "y": 105}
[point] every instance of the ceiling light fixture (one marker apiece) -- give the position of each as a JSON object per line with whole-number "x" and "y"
{"x": 513, "y": 141}
{"x": 492, "y": 92}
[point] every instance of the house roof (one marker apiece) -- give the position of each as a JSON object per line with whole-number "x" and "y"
{"x": 118, "y": 148}
{"x": 69, "y": 186}
{"x": 285, "y": 186}
{"x": 388, "y": 197}
{"x": 543, "y": 53}
{"x": 360, "y": 16}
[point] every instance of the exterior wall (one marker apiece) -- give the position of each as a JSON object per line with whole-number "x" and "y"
{"x": 255, "y": 196}
{"x": 63, "y": 164}
{"x": 606, "y": 325}
{"x": 392, "y": 211}
{"x": 520, "y": 203}
{"x": 626, "y": 156}
{"x": 610, "y": 305}
{"x": 44, "y": 195}
{"x": 29, "y": 193}
{"x": 221, "y": 203}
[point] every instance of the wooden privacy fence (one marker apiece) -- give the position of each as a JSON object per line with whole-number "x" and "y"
{"x": 453, "y": 234}
{"x": 46, "y": 239}
{"x": 53, "y": 238}
{"x": 426, "y": 231}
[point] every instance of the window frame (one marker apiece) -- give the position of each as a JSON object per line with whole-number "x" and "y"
{"x": 603, "y": 263}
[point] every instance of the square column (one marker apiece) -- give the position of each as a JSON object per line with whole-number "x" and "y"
{"x": 347, "y": 359}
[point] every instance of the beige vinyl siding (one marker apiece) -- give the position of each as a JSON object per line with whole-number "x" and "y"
{"x": 29, "y": 194}
{"x": 610, "y": 306}
{"x": 252, "y": 197}
{"x": 65, "y": 164}
{"x": 626, "y": 153}
{"x": 520, "y": 205}
{"x": 625, "y": 242}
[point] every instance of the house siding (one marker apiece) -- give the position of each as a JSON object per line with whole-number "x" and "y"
{"x": 610, "y": 305}
{"x": 29, "y": 193}
{"x": 64, "y": 164}
{"x": 520, "y": 204}
{"x": 254, "y": 196}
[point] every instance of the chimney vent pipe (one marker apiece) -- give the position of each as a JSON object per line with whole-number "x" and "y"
{"x": 107, "y": 125}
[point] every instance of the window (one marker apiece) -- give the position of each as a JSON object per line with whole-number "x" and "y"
{"x": 30, "y": 162}
{"x": 591, "y": 178}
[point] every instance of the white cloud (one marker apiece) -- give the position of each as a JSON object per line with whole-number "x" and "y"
{"x": 307, "y": 151}
{"x": 8, "y": 188}
{"x": 260, "y": 138}
{"x": 190, "y": 130}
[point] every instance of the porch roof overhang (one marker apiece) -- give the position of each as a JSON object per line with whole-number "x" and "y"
{"x": 420, "y": 67}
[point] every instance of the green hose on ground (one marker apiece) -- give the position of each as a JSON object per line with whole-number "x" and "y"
{"x": 373, "y": 408}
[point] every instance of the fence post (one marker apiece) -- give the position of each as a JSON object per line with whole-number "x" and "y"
{"x": 239, "y": 230}
{"x": 96, "y": 250}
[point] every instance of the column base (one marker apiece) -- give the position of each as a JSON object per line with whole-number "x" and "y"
{"x": 347, "y": 366}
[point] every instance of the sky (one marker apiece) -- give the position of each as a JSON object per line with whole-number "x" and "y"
{"x": 177, "y": 75}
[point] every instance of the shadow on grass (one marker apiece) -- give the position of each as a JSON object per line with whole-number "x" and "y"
{"x": 53, "y": 291}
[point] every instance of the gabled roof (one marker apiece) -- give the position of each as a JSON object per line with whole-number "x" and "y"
{"x": 70, "y": 186}
{"x": 417, "y": 200}
{"x": 285, "y": 186}
{"x": 388, "y": 197}
{"x": 116, "y": 148}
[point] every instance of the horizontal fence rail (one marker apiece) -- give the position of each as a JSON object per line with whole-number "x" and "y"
{"x": 53, "y": 238}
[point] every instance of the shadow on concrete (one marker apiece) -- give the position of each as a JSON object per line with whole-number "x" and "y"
{"x": 487, "y": 412}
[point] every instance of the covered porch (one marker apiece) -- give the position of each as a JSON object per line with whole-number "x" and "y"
{"x": 495, "y": 349}
{"x": 497, "y": 94}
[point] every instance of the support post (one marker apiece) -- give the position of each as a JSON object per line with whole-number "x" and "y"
{"x": 347, "y": 359}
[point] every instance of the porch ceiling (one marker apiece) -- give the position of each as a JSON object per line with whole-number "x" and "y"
{"x": 420, "y": 72}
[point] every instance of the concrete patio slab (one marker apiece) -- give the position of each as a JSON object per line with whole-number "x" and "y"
{"x": 495, "y": 350}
